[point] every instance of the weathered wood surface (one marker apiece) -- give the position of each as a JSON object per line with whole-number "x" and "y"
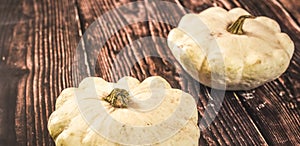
{"x": 39, "y": 39}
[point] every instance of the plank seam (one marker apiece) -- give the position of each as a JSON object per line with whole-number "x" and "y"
{"x": 251, "y": 119}
{"x": 80, "y": 31}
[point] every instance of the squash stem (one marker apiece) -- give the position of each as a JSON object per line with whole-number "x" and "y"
{"x": 237, "y": 26}
{"x": 118, "y": 98}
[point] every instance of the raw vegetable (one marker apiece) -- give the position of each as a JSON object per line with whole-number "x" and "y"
{"x": 128, "y": 112}
{"x": 231, "y": 50}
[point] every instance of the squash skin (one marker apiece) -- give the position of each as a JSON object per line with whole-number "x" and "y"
{"x": 222, "y": 60}
{"x": 76, "y": 118}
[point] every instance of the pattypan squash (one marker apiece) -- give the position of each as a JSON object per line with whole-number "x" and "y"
{"x": 128, "y": 112}
{"x": 231, "y": 50}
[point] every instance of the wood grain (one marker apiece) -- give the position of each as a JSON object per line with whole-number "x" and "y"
{"x": 40, "y": 56}
{"x": 37, "y": 40}
{"x": 9, "y": 80}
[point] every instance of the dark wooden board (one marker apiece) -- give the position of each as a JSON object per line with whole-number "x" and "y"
{"x": 39, "y": 58}
{"x": 37, "y": 39}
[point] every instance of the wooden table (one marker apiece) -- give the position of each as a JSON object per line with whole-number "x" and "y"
{"x": 38, "y": 43}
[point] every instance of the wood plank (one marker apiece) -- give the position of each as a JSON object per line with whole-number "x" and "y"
{"x": 13, "y": 40}
{"x": 9, "y": 79}
{"x": 39, "y": 39}
{"x": 274, "y": 107}
{"x": 231, "y": 126}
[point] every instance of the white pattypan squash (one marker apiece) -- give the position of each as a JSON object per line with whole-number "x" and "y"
{"x": 230, "y": 49}
{"x": 128, "y": 112}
